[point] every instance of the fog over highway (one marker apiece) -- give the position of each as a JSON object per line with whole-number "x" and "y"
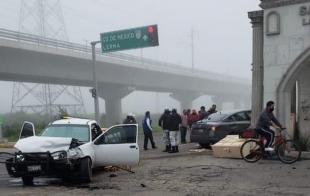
{"x": 220, "y": 29}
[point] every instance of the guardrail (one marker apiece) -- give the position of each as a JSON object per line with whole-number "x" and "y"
{"x": 39, "y": 40}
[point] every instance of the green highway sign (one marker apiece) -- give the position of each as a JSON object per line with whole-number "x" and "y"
{"x": 140, "y": 37}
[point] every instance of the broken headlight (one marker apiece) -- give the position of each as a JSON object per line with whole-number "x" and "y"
{"x": 75, "y": 153}
{"x": 19, "y": 158}
{"x": 59, "y": 155}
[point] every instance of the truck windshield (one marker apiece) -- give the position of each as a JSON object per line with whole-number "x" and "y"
{"x": 79, "y": 132}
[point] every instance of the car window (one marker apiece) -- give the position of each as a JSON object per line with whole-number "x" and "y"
{"x": 248, "y": 113}
{"x": 79, "y": 132}
{"x": 215, "y": 117}
{"x": 240, "y": 116}
{"x": 118, "y": 135}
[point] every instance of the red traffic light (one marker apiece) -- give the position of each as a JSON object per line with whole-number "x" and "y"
{"x": 150, "y": 29}
{"x": 152, "y": 34}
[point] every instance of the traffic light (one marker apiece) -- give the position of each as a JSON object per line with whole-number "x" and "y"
{"x": 152, "y": 35}
{"x": 93, "y": 92}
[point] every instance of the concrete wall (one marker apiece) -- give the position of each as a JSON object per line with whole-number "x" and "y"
{"x": 280, "y": 50}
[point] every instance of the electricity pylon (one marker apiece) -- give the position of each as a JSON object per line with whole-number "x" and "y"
{"x": 45, "y": 18}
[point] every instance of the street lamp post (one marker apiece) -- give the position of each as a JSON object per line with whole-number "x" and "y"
{"x": 95, "y": 89}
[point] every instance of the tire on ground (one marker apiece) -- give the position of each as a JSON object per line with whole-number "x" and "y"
{"x": 85, "y": 170}
{"x": 27, "y": 180}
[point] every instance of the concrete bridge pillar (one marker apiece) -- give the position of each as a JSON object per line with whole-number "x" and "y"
{"x": 238, "y": 104}
{"x": 113, "y": 95}
{"x": 185, "y": 98}
{"x": 242, "y": 102}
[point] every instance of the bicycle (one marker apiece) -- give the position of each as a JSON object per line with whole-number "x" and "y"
{"x": 253, "y": 150}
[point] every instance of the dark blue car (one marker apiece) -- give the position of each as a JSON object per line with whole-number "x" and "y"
{"x": 218, "y": 125}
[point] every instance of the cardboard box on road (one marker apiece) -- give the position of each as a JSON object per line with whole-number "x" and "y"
{"x": 228, "y": 147}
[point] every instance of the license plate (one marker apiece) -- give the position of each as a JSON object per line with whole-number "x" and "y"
{"x": 34, "y": 168}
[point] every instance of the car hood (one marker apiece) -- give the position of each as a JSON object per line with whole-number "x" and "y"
{"x": 43, "y": 144}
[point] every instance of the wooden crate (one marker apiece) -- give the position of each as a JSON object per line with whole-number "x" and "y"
{"x": 228, "y": 147}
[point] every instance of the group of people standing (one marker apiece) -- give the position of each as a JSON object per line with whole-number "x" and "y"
{"x": 173, "y": 124}
{"x": 170, "y": 123}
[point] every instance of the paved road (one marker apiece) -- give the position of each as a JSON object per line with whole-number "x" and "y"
{"x": 185, "y": 173}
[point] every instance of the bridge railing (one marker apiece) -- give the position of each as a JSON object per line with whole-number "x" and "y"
{"x": 43, "y": 41}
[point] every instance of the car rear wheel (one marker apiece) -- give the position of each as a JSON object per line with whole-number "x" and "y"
{"x": 205, "y": 145}
{"x": 86, "y": 170}
{"x": 27, "y": 180}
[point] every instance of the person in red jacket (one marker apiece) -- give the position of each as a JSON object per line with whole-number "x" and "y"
{"x": 193, "y": 117}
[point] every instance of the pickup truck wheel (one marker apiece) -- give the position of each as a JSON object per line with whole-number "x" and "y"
{"x": 27, "y": 180}
{"x": 86, "y": 170}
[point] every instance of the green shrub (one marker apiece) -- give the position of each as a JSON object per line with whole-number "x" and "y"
{"x": 13, "y": 123}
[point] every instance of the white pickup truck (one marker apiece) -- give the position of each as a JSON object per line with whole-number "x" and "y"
{"x": 71, "y": 148}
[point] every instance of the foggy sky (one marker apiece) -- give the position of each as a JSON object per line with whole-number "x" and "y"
{"x": 222, "y": 34}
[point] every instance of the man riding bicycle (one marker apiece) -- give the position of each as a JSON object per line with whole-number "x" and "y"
{"x": 265, "y": 121}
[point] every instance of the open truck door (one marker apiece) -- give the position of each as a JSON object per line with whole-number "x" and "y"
{"x": 117, "y": 146}
{"x": 27, "y": 130}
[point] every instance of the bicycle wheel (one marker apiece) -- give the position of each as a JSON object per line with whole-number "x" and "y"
{"x": 251, "y": 151}
{"x": 288, "y": 152}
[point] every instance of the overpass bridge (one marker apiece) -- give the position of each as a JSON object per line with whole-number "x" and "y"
{"x": 31, "y": 58}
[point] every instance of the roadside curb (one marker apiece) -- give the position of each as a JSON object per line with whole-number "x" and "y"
{"x": 7, "y": 145}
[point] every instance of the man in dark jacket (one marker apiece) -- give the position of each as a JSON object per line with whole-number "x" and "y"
{"x": 202, "y": 113}
{"x": 130, "y": 119}
{"x": 265, "y": 121}
{"x": 211, "y": 111}
{"x": 147, "y": 129}
{"x": 163, "y": 122}
{"x": 175, "y": 123}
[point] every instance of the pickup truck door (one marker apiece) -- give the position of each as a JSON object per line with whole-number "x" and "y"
{"x": 27, "y": 130}
{"x": 117, "y": 146}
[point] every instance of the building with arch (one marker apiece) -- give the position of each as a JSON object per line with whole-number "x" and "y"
{"x": 281, "y": 62}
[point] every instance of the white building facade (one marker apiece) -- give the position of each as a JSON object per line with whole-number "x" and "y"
{"x": 281, "y": 61}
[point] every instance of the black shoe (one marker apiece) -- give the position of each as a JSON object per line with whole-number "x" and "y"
{"x": 177, "y": 149}
{"x": 173, "y": 149}
{"x": 167, "y": 148}
{"x": 154, "y": 147}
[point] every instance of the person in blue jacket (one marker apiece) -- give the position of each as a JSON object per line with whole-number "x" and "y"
{"x": 147, "y": 129}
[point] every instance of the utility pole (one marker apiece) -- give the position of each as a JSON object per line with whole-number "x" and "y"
{"x": 95, "y": 89}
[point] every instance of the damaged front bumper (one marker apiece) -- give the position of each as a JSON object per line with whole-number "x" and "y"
{"x": 40, "y": 164}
